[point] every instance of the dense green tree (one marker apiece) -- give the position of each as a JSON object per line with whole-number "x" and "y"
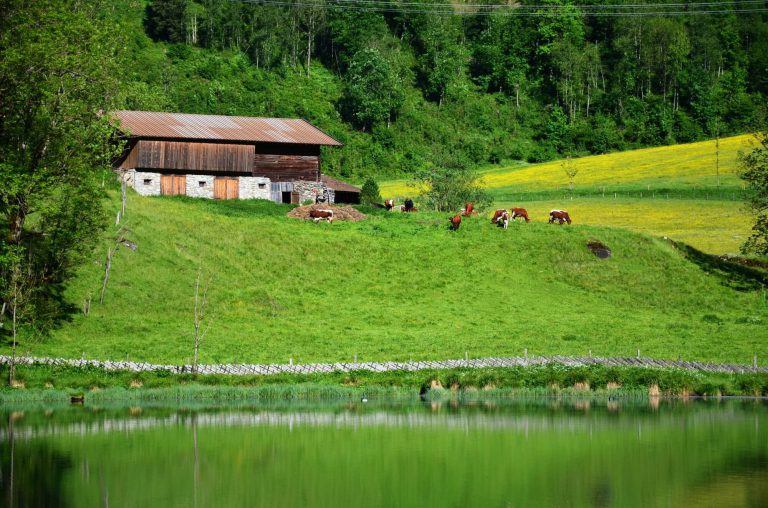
{"x": 755, "y": 165}
{"x": 165, "y": 20}
{"x": 59, "y": 64}
{"x": 373, "y": 92}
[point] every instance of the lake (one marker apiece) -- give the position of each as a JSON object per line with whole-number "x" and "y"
{"x": 491, "y": 453}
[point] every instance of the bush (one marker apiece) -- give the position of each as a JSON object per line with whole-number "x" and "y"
{"x": 369, "y": 194}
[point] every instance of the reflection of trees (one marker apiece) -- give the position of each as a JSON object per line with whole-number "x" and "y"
{"x": 31, "y": 474}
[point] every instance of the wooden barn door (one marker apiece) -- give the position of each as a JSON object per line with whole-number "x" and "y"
{"x": 225, "y": 187}
{"x": 173, "y": 185}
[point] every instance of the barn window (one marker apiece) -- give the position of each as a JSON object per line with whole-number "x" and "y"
{"x": 147, "y": 181}
{"x": 201, "y": 183}
{"x": 262, "y": 185}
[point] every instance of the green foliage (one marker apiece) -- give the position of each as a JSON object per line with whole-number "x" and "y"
{"x": 372, "y": 91}
{"x": 448, "y": 185}
{"x": 755, "y": 164}
{"x": 369, "y": 193}
{"x": 489, "y": 88}
{"x": 58, "y": 64}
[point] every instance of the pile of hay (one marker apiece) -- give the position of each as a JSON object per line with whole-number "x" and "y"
{"x": 339, "y": 212}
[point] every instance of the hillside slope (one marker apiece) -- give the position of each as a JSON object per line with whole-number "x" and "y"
{"x": 396, "y": 286}
{"x": 665, "y": 191}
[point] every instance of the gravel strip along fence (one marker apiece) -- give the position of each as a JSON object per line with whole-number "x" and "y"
{"x": 312, "y": 368}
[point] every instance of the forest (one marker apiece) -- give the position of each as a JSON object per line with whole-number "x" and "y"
{"x": 408, "y": 85}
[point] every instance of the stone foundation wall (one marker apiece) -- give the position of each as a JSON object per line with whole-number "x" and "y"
{"x": 200, "y": 186}
{"x": 253, "y": 187}
{"x": 146, "y": 184}
{"x": 308, "y": 191}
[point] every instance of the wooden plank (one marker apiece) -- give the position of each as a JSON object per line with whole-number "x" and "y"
{"x": 225, "y": 187}
{"x": 166, "y": 185}
{"x": 232, "y": 188}
{"x": 173, "y": 185}
{"x": 287, "y": 167}
{"x": 209, "y": 157}
{"x": 219, "y": 188}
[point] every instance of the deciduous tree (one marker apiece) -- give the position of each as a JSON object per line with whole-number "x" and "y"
{"x": 755, "y": 165}
{"x": 58, "y": 77}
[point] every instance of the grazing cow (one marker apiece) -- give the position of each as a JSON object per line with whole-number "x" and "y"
{"x": 497, "y": 215}
{"x": 520, "y": 212}
{"x": 560, "y": 216}
{"x": 503, "y": 220}
{"x": 318, "y": 215}
{"x": 455, "y": 222}
{"x": 408, "y": 206}
{"x": 389, "y": 204}
{"x": 468, "y": 210}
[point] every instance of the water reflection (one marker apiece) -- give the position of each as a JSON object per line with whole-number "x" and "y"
{"x": 490, "y": 452}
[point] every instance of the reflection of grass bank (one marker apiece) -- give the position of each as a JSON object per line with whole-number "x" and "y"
{"x": 56, "y": 384}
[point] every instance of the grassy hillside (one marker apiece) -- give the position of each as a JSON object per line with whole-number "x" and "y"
{"x": 667, "y": 191}
{"x": 397, "y": 286}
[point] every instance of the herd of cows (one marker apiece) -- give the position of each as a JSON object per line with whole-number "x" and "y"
{"x": 500, "y": 217}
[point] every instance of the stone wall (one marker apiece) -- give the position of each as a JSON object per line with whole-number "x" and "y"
{"x": 253, "y": 187}
{"x": 146, "y": 184}
{"x": 200, "y": 186}
{"x": 307, "y": 190}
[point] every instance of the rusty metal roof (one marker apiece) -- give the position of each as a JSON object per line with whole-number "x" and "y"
{"x": 148, "y": 124}
{"x": 337, "y": 185}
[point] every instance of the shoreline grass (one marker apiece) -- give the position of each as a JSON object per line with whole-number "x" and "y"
{"x": 57, "y": 384}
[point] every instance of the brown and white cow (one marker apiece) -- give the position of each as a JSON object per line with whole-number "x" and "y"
{"x": 498, "y": 215}
{"x": 389, "y": 204}
{"x": 468, "y": 210}
{"x": 520, "y": 212}
{"x": 503, "y": 219}
{"x": 318, "y": 215}
{"x": 455, "y": 222}
{"x": 560, "y": 216}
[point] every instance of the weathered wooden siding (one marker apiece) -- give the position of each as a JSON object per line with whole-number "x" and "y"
{"x": 207, "y": 157}
{"x": 287, "y": 168}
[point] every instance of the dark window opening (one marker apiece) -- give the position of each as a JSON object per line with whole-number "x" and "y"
{"x": 262, "y": 185}
{"x": 147, "y": 181}
{"x": 286, "y": 197}
{"x": 201, "y": 183}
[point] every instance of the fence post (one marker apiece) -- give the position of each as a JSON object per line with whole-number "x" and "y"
{"x": 754, "y": 361}
{"x": 466, "y": 357}
{"x": 526, "y": 354}
{"x": 638, "y": 354}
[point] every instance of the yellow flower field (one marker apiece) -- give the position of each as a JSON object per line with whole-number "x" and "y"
{"x": 716, "y": 227}
{"x": 690, "y": 164}
{"x": 661, "y": 167}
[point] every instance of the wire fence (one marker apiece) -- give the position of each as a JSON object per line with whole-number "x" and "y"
{"x": 316, "y": 368}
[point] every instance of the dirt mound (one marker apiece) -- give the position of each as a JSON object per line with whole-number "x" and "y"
{"x": 339, "y": 212}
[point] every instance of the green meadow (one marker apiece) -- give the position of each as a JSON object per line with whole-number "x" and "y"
{"x": 399, "y": 287}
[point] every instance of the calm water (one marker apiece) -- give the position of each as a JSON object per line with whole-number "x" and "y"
{"x": 487, "y": 454}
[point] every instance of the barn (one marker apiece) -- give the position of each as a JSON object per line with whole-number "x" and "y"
{"x": 227, "y": 157}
